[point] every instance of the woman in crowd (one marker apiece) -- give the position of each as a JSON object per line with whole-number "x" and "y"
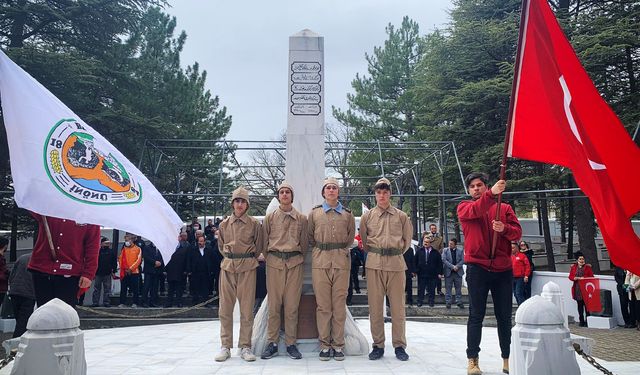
{"x": 521, "y": 272}
{"x": 579, "y": 271}
{"x": 633, "y": 286}
{"x": 524, "y": 249}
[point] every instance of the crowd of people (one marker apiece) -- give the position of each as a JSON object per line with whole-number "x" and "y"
{"x": 193, "y": 268}
{"x": 241, "y": 259}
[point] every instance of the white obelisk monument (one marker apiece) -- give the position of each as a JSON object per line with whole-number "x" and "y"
{"x": 305, "y": 171}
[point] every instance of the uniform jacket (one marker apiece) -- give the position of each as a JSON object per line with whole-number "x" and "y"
{"x": 430, "y": 266}
{"x": 76, "y": 248}
{"x": 240, "y": 235}
{"x": 285, "y": 232}
{"x": 476, "y": 218}
{"x": 520, "y": 264}
{"x": 437, "y": 242}
{"x": 588, "y": 272}
{"x": 447, "y": 260}
{"x": 331, "y": 226}
{"x": 388, "y": 228}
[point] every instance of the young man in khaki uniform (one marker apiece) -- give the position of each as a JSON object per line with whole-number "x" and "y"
{"x": 240, "y": 241}
{"x": 386, "y": 234}
{"x": 285, "y": 234}
{"x": 331, "y": 233}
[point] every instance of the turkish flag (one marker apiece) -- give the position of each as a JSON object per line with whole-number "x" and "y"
{"x": 590, "y": 290}
{"x": 560, "y": 118}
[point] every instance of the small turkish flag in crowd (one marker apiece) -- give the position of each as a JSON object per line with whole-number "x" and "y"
{"x": 560, "y": 118}
{"x": 590, "y": 290}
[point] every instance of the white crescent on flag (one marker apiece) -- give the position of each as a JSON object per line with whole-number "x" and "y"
{"x": 62, "y": 167}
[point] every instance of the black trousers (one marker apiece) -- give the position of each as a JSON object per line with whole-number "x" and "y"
{"x": 634, "y": 307}
{"x": 132, "y": 283}
{"x": 479, "y": 283}
{"x": 428, "y": 285}
{"x": 48, "y": 287}
{"x": 150, "y": 289}
{"x": 176, "y": 288}
{"x": 22, "y": 309}
{"x": 408, "y": 288}
{"x": 200, "y": 286}
{"x": 581, "y": 311}
{"x": 624, "y": 307}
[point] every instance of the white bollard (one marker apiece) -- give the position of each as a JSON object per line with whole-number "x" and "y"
{"x": 552, "y": 293}
{"x": 53, "y": 343}
{"x": 540, "y": 344}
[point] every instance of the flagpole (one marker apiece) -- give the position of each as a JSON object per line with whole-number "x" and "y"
{"x": 507, "y": 135}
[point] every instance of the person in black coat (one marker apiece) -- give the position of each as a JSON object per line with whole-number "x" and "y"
{"x": 152, "y": 269}
{"x": 176, "y": 271}
{"x": 619, "y": 275}
{"x": 409, "y": 274}
{"x": 199, "y": 267}
{"x": 356, "y": 262}
{"x": 214, "y": 288}
{"x": 428, "y": 267}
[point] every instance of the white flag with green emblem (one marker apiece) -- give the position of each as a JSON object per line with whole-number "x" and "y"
{"x": 63, "y": 168}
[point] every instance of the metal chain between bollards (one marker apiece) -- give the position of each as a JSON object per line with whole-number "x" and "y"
{"x": 8, "y": 360}
{"x": 590, "y": 359}
{"x": 159, "y": 315}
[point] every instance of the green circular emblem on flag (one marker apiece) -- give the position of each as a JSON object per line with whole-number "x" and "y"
{"x": 82, "y": 168}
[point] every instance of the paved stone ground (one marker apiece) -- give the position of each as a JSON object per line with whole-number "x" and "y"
{"x": 618, "y": 344}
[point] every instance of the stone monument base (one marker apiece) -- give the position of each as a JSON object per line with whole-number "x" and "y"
{"x": 354, "y": 341}
{"x": 601, "y": 322}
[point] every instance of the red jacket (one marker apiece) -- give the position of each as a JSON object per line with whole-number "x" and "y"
{"x": 77, "y": 247}
{"x": 520, "y": 264}
{"x": 588, "y": 272}
{"x": 475, "y": 218}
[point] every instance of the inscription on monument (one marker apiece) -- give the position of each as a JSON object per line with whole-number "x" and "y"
{"x": 306, "y": 88}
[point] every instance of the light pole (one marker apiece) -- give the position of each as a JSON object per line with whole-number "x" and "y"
{"x": 422, "y": 189}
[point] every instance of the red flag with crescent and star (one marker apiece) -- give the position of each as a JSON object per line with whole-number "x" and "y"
{"x": 560, "y": 118}
{"x": 590, "y": 290}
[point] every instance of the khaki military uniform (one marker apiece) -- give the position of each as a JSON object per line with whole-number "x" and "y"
{"x": 386, "y": 235}
{"x": 437, "y": 242}
{"x": 240, "y": 241}
{"x": 286, "y": 239}
{"x": 331, "y": 234}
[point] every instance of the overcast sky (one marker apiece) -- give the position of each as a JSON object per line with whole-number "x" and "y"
{"x": 244, "y": 45}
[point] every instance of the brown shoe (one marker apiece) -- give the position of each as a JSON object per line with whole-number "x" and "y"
{"x": 473, "y": 368}
{"x": 505, "y": 365}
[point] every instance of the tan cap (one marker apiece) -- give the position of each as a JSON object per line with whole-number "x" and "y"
{"x": 241, "y": 193}
{"x": 285, "y": 184}
{"x": 382, "y": 181}
{"x": 327, "y": 181}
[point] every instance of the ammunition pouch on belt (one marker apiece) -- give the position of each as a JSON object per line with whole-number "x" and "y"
{"x": 385, "y": 252}
{"x": 284, "y": 255}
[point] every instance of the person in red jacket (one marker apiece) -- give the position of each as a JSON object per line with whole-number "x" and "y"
{"x": 521, "y": 272}
{"x": 579, "y": 270}
{"x": 64, "y": 260}
{"x": 488, "y": 266}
